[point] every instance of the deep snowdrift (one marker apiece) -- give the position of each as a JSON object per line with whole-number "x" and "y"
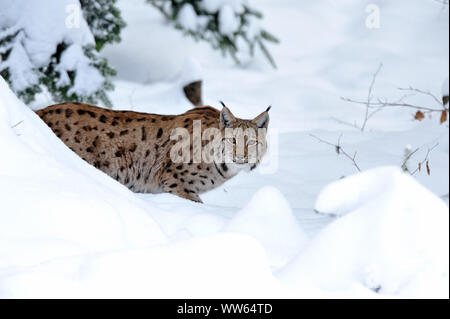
{"x": 393, "y": 238}
{"x": 77, "y": 209}
{"x": 68, "y": 230}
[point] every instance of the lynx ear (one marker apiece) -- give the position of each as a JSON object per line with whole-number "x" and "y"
{"x": 262, "y": 120}
{"x": 226, "y": 117}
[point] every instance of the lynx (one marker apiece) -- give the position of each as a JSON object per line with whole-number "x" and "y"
{"x": 134, "y": 148}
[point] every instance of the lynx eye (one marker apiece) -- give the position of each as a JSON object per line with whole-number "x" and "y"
{"x": 252, "y": 142}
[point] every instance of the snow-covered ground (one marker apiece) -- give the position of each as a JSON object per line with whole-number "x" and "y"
{"x": 298, "y": 230}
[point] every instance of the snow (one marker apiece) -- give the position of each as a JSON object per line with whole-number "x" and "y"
{"x": 393, "y": 235}
{"x": 213, "y": 6}
{"x": 88, "y": 79}
{"x": 76, "y": 221}
{"x": 147, "y": 52}
{"x": 38, "y": 42}
{"x": 228, "y": 21}
{"x": 21, "y": 69}
{"x": 75, "y": 208}
{"x": 445, "y": 88}
{"x": 187, "y": 17}
{"x": 194, "y": 268}
{"x": 191, "y": 72}
{"x": 313, "y": 227}
{"x": 268, "y": 218}
{"x": 42, "y": 38}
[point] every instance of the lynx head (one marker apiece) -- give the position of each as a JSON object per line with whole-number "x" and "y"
{"x": 243, "y": 142}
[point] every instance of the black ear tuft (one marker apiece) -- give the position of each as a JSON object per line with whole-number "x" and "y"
{"x": 268, "y": 109}
{"x": 223, "y": 104}
{"x": 262, "y": 120}
{"x": 226, "y": 117}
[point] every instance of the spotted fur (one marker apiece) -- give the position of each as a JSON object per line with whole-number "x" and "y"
{"x": 134, "y": 148}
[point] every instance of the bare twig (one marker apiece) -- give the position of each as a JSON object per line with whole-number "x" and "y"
{"x": 369, "y": 114}
{"x": 408, "y": 156}
{"x": 428, "y": 93}
{"x": 340, "y": 150}
{"x": 17, "y": 124}
{"x": 368, "y": 103}
{"x": 380, "y": 103}
{"x": 443, "y": 2}
{"x": 425, "y": 161}
{"x": 353, "y": 125}
{"x": 374, "y": 106}
{"x": 160, "y": 8}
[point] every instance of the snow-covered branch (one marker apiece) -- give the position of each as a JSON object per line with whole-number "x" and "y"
{"x": 48, "y": 48}
{"x": 229, "y": 26}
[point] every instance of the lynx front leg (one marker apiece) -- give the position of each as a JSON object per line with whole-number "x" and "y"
{"x": 191, "y": 196}
{"x": 181, "y": 190}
